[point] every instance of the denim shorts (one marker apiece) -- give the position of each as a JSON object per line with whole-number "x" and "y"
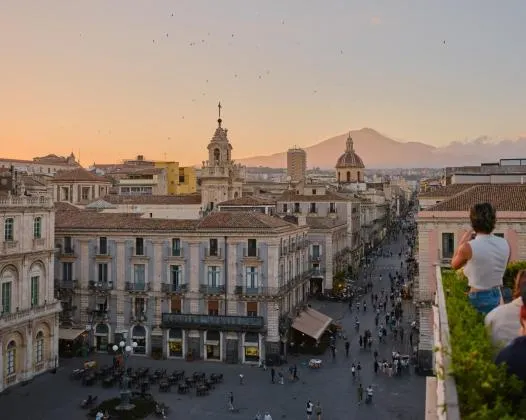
{"x": 485, "y": 300}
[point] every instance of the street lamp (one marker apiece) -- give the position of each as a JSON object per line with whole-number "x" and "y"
{"x": 125, "y": 351}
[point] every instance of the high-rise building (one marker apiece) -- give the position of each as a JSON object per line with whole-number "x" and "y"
{"x": 296, "y": 164}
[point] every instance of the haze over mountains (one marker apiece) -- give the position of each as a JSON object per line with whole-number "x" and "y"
{"x": 379, "y": 151}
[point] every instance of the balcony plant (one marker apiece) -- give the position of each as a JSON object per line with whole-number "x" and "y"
{"x": 484, "y": 389}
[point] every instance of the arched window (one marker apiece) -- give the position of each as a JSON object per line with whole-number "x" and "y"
{"x": 39, "y": 347}
{"x": 37, "y": 227}
{"x": 359, "y": 176}
{"x": 236, "y": 194}
{"x": 348, "y": 176}
{"x": 10, "y": 365}
{"x": 9, "y": 229}
{"x": 339, "y": 176}
{"x": 217, "y": 155}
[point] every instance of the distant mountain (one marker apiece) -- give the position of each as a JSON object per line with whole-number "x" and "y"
{"x": 379, "y": 151}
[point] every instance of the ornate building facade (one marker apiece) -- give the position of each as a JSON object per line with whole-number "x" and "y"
{"x": 28, "y": 310}
{"x": 215, "y": 289}
{"x": 221, "y": 178}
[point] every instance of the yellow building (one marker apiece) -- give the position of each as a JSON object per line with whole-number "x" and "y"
{"x": 180, "y": 180}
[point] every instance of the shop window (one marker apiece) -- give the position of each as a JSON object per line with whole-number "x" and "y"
{"x": 175, "y": 342}
{"x": 101, "y": 337}
{"x": 213, "y": 345}
{"x": 251, "y": 347}
{"x": 139, "y": 336}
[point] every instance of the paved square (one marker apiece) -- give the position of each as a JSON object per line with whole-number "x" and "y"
{"x": 57, "y": 397}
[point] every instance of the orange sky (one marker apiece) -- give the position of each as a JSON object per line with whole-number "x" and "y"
{"x": 110, "y": 80}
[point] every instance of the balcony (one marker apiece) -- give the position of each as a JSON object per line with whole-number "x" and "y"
{"x": 211, "y": 290}
{"x": 213, "y": 322}
{"x": 176, "y": 253}
{"x": 26, "y": 201}
{"x": 137, "y": 287}
{"x": 39, "y": 243}
{"x": 10, "y": 246}
{"x": 213, "y": 253}
{"x": 173, "y": 288}
{"x": 256, "y": 291}
{"x": 317, "y": 272}
{"x": 315, "y": 258}
{"x": 66, "y": 284}
{"x": 103, "y": 286}
{"x": 66, "y": 253}
{"x": 28, "y": 315}
{"x": 251, "y": 254}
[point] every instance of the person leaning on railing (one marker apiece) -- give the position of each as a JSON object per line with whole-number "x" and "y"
{"x": 514, "y": 354}
{"x": 484, "y": 258}
{"x": 504, "y": 321}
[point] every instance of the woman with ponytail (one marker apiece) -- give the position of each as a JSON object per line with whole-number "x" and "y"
{"x": 514, "y": 354}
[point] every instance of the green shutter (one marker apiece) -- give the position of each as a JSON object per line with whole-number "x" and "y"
{"x": 6, "y": 297}
{"x": 34, "y": 290}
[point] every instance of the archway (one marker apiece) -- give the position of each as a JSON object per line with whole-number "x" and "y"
{"x": 359, "y": 177}
{"x": 217, "y": 155}
{"x": 339, "y": 176}
{"x": 348, "y": 176}
{"x": 41, "y": 345}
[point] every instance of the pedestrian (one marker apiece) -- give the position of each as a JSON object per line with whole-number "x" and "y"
{"x": 272, "y": 374}
{"x": 231, "y": 401}
{"x": 359, "y": 368}
{"x": 241, "y": 379}
{"x": 295, "y": 372}
{"x": 402, "y": 335}
{"x": 310, "y": 407}
{"x": 347, "y": 346}
{"x": 375, "y": 367}
{"x": 411, "y": 338}
{"x": 267, "y": 416}
{"x": 318, "y": 410}
{"x": 361, "y": 340}
{"x": 281, "y": 378}
{"x": 360, "y": 394}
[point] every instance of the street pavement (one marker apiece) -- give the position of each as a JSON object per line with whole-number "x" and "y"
{"x": 55, "y": 396}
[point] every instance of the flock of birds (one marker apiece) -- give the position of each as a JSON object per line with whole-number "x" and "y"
{"x": 235, "y": 75}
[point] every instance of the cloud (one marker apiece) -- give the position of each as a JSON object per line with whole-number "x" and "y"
{"x": 375, "y": 20}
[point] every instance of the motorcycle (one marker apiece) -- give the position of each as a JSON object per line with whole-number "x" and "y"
{"x": 88, "y": 402}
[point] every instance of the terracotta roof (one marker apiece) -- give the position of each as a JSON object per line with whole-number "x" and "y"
{"x": 248, "y": 201}
{"x": 30, "y": 181}
{"x": 242, "y": 220}
{"x": 78, "y": 175}
{"x": 93, "y": 220}
{"x": 505, "y": 197}
{"x": 324, "y": 223}
{"x": 153, "y": 199}
{"x": 329, "y": 196}
{"x": 446, "y": 191}
{"x": 65, "y": 207}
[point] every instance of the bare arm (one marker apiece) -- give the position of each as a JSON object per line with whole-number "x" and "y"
{"x": 463, "y": 253}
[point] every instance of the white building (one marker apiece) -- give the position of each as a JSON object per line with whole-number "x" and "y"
{"x": 28, "y": 309}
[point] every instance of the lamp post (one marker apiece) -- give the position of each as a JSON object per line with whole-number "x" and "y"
{"x": 125, "y": 351}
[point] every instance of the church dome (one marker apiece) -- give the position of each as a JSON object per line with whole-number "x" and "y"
{"x": 349, "y": 159}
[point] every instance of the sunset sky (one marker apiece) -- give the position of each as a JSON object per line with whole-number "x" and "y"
{"x": 113, "y": 79}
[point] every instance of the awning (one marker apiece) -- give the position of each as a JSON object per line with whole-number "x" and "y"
{"x": 69, "y": 334}
{"x": 312, "y": 323}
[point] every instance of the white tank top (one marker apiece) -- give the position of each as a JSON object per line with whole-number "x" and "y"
{"x": 488, "y": 262}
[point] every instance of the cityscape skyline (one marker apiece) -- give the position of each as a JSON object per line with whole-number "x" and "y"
{"x": 108, "y": 81}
